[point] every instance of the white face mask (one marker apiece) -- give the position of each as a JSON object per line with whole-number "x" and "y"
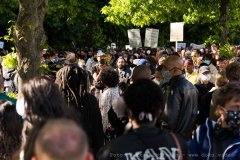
{"x": 20, "y": 107}
{"x": 205, "y": 77}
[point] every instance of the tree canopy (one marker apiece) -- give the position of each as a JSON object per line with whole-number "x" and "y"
{"x": 218, "y": 15}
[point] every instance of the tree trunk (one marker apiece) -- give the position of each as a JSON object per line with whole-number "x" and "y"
{"x": 28, "y": 38}
{"x": 224, "y": 18}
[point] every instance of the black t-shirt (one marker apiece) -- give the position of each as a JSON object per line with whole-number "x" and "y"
{"x": 146, "y": 142}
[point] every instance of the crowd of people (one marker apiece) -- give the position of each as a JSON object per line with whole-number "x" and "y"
{"x": 128, "y": 105}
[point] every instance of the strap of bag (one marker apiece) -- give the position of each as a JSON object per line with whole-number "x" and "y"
{"x": 178, "y": 145}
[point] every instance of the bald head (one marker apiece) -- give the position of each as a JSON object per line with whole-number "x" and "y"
{"x": 60, "y": 140}
{"x": 174, "y": 63}
{"x": 141, "y": 72}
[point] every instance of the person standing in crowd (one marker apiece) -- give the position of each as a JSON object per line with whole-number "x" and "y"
{"x": 145, "y": 104}
{"x": 203, "y": 86}
{"x": 209, "y": 60}
{"x": 110, "y": 79}
{"x": 220, "y": 139}
{"x": 140, "y": 72}
{"x": 124, "y": 72}
{"x": 36, "y": 102}
{"x": 61, "y": 139}
{"x": 158, "y": 77}
{"x": 10, "y": 130}
{"x": 233, "y": 72}
{"x": 72, "y": 82}
{"x": 190, "y": 75}
{"x": 222, "y": 63}
{"x": 96, "y": 72}
{"x": 181, "y": 99}
{"x": 8, "y": 76}
{"x": 82, "y": 65}
{"x": 90, "y": 61}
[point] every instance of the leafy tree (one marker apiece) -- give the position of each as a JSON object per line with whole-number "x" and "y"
{"x": 221, "y": 16}
{"x": 29, "y": 36}
{"x": 73, "y": 23}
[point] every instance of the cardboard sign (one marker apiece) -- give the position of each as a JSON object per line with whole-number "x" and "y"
{"x": 197, "y": 46}
{"x": 176, "y": 32}
{"x": 181, "y": 45}
{"x": 134, "y": 38}
{"x": 151, "y": 38}
{"x": 1, "y": 45}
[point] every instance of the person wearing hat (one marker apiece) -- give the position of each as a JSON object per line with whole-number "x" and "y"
{"x": 190, "y": 75}
{"x": 203, "y": 86}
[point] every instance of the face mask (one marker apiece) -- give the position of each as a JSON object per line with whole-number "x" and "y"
{"x": 233, "y": 119}
{"x": 207, "y": 62}
{"x": 205, "y": 77}
{"x": 20, "y": 107}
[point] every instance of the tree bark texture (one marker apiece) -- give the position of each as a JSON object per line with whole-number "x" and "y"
{"x": 28, "y": 37}
{"x": 224, "y": 18}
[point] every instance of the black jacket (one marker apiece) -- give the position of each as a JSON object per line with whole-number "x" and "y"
{"x": 181, "y": 105}
{"x": 91, "y": 121}
{"x": 146, "y": 142}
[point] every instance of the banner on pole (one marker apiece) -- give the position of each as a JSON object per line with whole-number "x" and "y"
{"x": 134, "y": 38}
{"x": 176, "y": 32}
{"x": 151, "y": 38}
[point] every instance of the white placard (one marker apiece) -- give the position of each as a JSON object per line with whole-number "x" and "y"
{"x": 128, "y": 47}
{"x": 1, "y": 44}
{"x": 113, "y": 45}
{"x": 151, "y": 38}
{"x": 176, "y": 32}
{"x": 134, "y": 38}
{"x": 197, "y": 46}
{"x": 181, "y": 45}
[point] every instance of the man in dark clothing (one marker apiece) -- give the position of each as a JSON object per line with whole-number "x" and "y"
{"x": 144, "y": 101}
{"x": 220, "y": 140}
{"x": 181, "y": 98}
{"x": 204, "y": 86}
{"x": 72, "y": 82}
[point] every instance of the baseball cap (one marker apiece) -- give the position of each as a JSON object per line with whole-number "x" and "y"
{"x": 204, "y": 69}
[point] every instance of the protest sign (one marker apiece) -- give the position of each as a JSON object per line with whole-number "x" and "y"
{"x": 151, "y": 38}
{"x": 176, "y": 32}
{"x": 134, "y": 38}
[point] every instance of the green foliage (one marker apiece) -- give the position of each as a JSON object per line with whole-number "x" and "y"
{"x": 226, "y": 51}
{"x": 212, "y": 39}
{"x": 70, "y": 24}
{"x": 8, "y": 10}
{"x": 10, "y": 30}
{"x": 10, "y": 61}
{"x": 141, "y": 12}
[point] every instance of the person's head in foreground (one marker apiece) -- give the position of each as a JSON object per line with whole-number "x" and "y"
{"x": 144, "y": 101}
{"x": 61, "y": 139}
{"x": 227, "y": 102}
